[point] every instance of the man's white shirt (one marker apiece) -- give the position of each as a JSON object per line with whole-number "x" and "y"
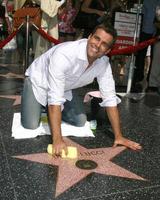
{"x": 63, "y": 68}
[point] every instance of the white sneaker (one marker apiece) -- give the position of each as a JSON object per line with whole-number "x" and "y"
{"x": 93, "y": 125}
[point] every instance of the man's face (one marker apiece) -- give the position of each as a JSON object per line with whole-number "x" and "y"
{"x": 98, "y": 45}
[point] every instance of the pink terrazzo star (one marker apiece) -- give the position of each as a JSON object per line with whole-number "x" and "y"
{"x": 69, "y": 174}
{"x": 12, "y": 75}
{"x": 16, "y": 97}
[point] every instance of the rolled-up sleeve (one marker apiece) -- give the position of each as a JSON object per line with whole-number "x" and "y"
{"x": 107, "y": 88}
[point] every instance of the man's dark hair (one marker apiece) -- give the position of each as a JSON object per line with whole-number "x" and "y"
{"x": 108, "y": 28}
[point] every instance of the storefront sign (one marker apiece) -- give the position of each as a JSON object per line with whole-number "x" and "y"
{"x": 125, "y": 24}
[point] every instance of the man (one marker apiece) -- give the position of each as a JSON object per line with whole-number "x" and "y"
{"x": 4, "y": 20}
{"x": 49, "y": 22}
{"x": 147, "y": 32}
{"x": 65, "y": 67}
{"x": 154, "y": 79}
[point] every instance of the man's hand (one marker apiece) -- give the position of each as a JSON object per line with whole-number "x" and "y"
{"x": 58, "y": 146}
{"x": 127, "y": 143}
{"x": 55, "y": 125}
{"x": 113, "y": 115}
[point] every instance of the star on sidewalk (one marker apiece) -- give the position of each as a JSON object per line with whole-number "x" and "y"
{"x": 12, "y": 75}
{"x": 16, "y": 97}
{"x": 69, "y": 174}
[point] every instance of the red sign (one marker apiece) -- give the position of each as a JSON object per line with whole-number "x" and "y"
{"x": 125, "y": 24}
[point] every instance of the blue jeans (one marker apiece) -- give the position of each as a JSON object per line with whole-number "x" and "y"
{"x": 73, "y": 112}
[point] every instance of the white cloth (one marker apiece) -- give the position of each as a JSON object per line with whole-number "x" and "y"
{"x": 50, "y": 7}
{"x": 96, "y": 94}
{"x": 63, "y": 68}
{"x": 91, "y": 94}
{"x": 18, "y": 4}
{"x": 18, "y": 132}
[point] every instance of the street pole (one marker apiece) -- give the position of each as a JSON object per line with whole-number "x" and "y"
{"x": 132, "y": 62}
{"x": 27, "y": 43}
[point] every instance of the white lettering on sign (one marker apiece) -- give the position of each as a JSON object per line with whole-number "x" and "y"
{"x": 125, "y": 24}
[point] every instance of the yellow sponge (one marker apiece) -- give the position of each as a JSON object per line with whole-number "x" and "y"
{"x": 72, "y": 152}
